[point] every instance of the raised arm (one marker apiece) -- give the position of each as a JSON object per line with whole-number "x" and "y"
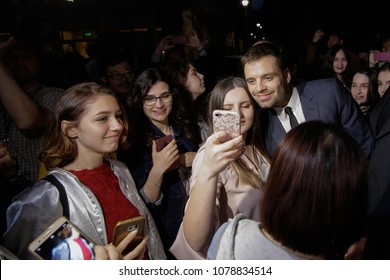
{"x": 22, "y": 109}
{"x": 199, "y": 220}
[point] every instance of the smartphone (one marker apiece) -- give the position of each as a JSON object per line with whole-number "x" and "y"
{"x": 123, "y": 228}
{"x": 178, "y": 40}
{"x": 228, "y": 121}
{"x": 382, "y": 56}
{"x": 161, "y": 143}
{"x": 62, "y": 241}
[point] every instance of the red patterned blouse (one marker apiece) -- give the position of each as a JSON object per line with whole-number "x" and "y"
{"x": 105, "y": 185}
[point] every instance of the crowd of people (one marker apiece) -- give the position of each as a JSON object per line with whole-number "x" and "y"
{"x": 305, "y": 179}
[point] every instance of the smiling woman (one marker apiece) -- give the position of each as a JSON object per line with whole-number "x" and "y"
{"x": 228, "y": 176}
{"x": 165, "y": 98}
{"x": 87, "y": 127}
{"x": 154, "y": 105}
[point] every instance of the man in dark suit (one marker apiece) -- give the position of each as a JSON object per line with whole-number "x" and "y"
{"x": 378, "y": 242}
{"x": 268, "y": 75}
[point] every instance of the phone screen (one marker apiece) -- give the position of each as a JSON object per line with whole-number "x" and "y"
{"x": 66, "y": 243}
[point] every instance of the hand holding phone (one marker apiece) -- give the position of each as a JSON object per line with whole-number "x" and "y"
{"x": 123, "y": 228}
{"x": 228, "y": 121}
{"x": 178, "y": 40}
{"x": 62, "y": 241}
{"x": 161, "y": 143}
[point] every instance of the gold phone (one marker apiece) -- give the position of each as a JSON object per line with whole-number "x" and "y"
{"x": 123, "y": 228}
{"x": 62, "y": 240}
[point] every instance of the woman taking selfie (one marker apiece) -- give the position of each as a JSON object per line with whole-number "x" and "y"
{"x": 227, "y": 176}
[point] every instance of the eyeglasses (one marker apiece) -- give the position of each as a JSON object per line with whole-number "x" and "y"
{"x": 119, "y": 76}
{"x": 150, "y": 100}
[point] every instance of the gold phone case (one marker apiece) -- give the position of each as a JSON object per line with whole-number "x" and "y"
{"x": 42, "y": 247}
{"x": 123, "y": 228}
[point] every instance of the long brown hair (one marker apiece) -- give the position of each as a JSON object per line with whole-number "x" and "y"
{"x": 58, "y": 149}
{"x": 316, "y": 192}
{"x": 141, "y": 130}
{"x": 253, "y": 137}
{"x": 187, "y": 111}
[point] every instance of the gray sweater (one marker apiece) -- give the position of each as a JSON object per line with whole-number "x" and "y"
{"x": 241, "y": 239}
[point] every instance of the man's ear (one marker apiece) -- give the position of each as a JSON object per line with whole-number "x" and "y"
{"x": 287, "y": 74}
{"x": 69, "y": 129}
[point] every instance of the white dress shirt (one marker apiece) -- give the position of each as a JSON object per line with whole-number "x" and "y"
{"x": 295, "y": 104}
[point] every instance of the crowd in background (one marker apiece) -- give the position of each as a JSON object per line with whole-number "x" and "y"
{"x": 96, "y": 123}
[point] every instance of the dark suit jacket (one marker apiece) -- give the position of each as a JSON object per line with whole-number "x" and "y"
{"x": 378, "y": 244}
{"x": 324, "y": 100}
{"x": 379, "y": 169}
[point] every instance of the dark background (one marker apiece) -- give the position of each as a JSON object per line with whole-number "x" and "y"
{"x": 363, "y": 23}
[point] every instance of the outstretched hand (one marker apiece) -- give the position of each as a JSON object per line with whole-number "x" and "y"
{"x": 194, "y": 41}
{"x": 318, "y": 35}
{"x": 165, "y": 44}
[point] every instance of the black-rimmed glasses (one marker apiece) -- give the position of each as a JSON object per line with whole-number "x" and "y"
{"x": 150, "y": 100}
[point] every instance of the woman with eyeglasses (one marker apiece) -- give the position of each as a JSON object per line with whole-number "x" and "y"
{"x": 87, "y": 127}
{"x": 160, "y": 175}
